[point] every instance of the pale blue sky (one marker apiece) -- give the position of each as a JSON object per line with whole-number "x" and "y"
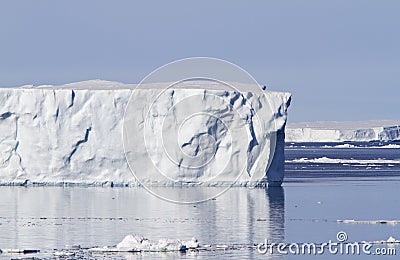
{"x": 340, "y": 59}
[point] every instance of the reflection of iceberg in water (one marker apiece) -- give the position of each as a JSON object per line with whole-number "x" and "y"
{"x": 276, "y": 199}
{"x": 239, "y": 216}
{"x": 52, "y": 217}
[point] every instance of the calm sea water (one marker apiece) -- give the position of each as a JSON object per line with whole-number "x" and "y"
{"x": 304, "y": 210}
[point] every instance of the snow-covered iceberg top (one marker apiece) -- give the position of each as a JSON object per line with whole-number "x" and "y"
{"x": 73, "y": 134}
{"x": 357, "y": 131}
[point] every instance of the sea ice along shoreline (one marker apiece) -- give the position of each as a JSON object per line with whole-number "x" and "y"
{"x": 72, "y": 134}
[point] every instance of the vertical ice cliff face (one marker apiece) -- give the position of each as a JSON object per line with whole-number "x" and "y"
{"x": 212, "y": 137}
{"x": 73, "y": 134}
{"x": 62, "y": 135}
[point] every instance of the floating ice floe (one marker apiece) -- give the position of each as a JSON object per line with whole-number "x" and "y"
{"x": 364, "y": 145}
{"x": 380, "y": 221}
{"x": 18, "y": 251}
{"x": 324, "y": 159}
{"x": 390, "y": 240}
{"x": 136, "y": 243}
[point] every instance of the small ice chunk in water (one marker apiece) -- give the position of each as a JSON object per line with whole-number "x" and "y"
{"x": 132, "y": 243}
{"x": 191, "y": 244}
{"x": 391, "y": 240}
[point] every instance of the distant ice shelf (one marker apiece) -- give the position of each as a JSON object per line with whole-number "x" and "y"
{"x": 362, "y": 131}
{"x": 72, "y": 134}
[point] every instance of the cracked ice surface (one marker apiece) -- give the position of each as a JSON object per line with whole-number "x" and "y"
{"x": 73, "y": 133}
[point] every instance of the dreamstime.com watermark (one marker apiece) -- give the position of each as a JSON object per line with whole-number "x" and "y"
{"x": 339, "y": 247}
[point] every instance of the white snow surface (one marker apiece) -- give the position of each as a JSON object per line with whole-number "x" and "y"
{"x": 357, "y": 131}
{"x": 72, "y": 134}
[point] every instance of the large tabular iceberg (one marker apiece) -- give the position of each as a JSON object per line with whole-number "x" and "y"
{"x": 362, "y": 131}
{"x": 73, "y": 134}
